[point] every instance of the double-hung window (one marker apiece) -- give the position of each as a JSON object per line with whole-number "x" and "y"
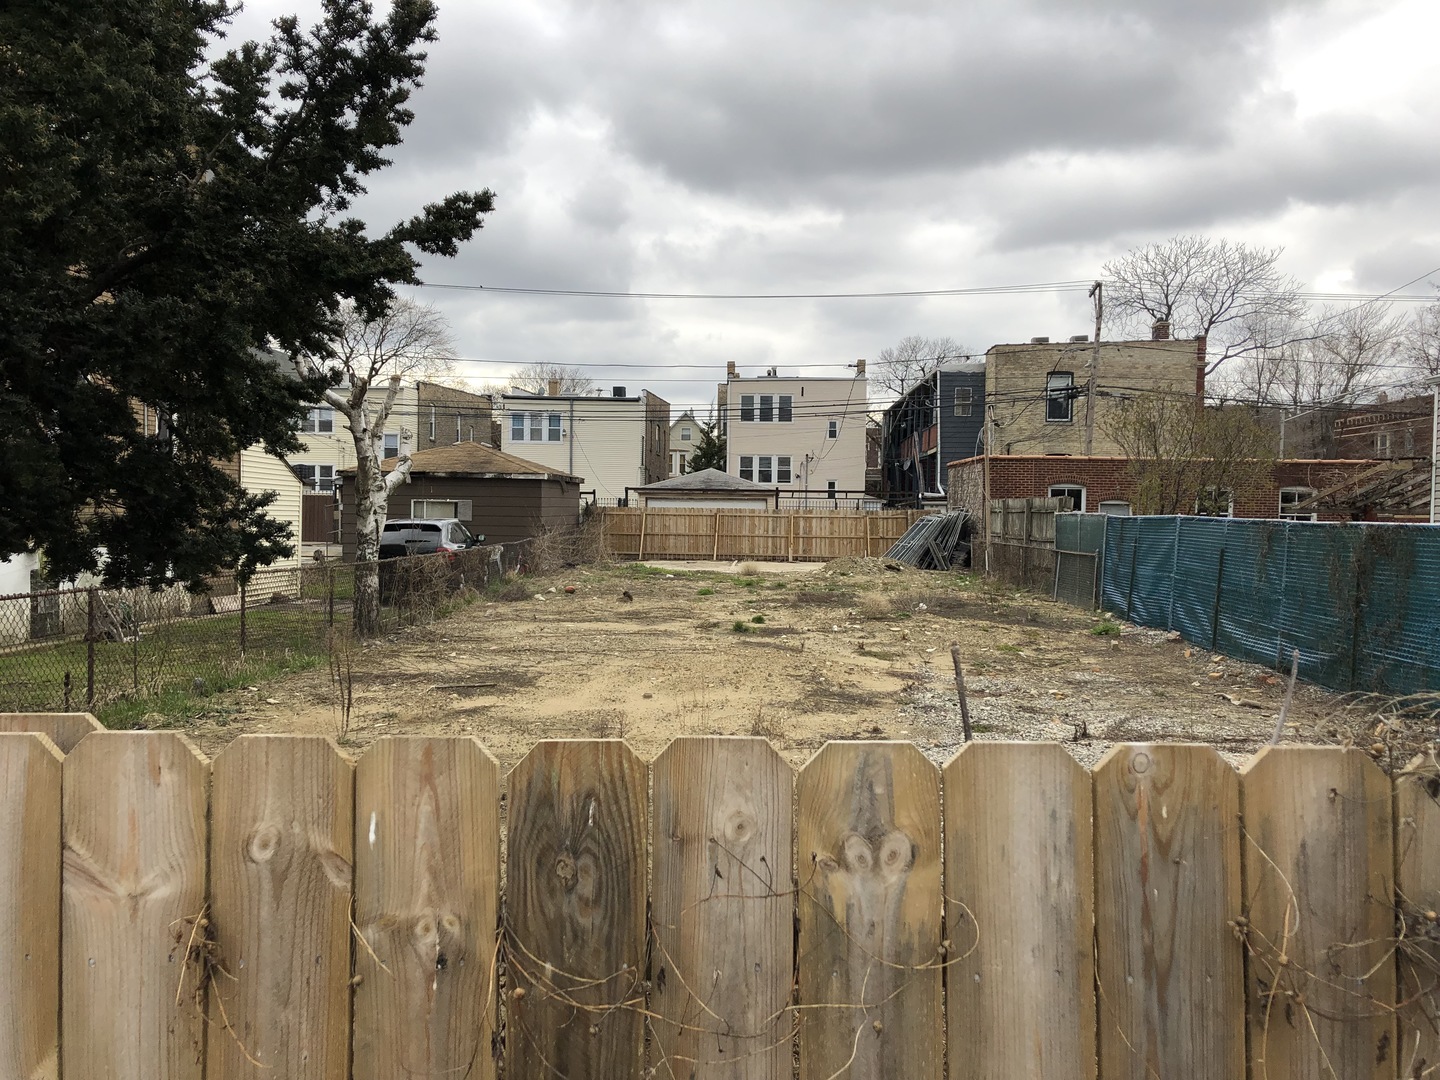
{"x": 964, "y": 400}
{"x": 392, "y": 445}
{"x": 833, "y": 432}
{"x": 685, "y": 434}
{"x": 1060, "y": 397}
{"x": 316, "y": 477}
{"x": 765, "y": 468}
{"x": 767, "y": 408}
{"x": 534, "y": 427}
{"x": 318, "y": 421}
{"x": 1290, "y": 497}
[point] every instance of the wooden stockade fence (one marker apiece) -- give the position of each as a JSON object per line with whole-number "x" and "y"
{"x": 789, "y": 535}
{"x": 284, "y": 913}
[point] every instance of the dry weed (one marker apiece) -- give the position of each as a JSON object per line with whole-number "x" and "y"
{"x": 875, "y": 605}
{"x": 749, "y": 569}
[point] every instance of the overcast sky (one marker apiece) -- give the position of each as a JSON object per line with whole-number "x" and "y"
{"x": 790, "y": 146}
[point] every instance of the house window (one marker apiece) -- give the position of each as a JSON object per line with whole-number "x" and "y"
{"x": 534, "y": 427}
{"x": 830, "y": 488}
{"x": 684, "y": 434}
{"x": 1290, "y": 497}
{"x": 432, "y": 509}
{"x": 316, "y": 477}
{"x": 772, "y": 408}
{"x": 1115, "y": 508}
{"x": 834, "y": 430}
{"x": 318, "y": 421}
{"x": 1060, "y": 397}
{"x": 1215, "y": 502}
{"x": 432, "y": 423}
{"x": 1382, "y": 444}
{"x": 964, "y": 400}
{"x": 457, "y": 427}
{"x": 392, "y": 446}
{"x": 1074, "y": 492}
{"x": 765, "y": 468}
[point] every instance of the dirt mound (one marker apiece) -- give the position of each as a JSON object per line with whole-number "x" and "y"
{"x": 864, "y": 566}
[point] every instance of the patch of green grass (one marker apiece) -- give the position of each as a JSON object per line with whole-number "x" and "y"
{"x": 779, "y": 584}
{"x": 1105, "y": 628}
{"x": 1014, "y": 650}
{"x": 748, "y": 583}
{"x": 757, "y": 618}
{"x": 707, "y": 591}
{"x": 740, "y": 626}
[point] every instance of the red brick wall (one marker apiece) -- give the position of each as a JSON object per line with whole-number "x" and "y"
{"x": 1108, "y": 478}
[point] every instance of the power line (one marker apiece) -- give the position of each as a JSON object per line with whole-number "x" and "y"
{"x": 989, "y": 290}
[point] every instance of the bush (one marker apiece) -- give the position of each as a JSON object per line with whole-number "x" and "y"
{"x": 757, "y": 618}
{"x": 740, "y": 626}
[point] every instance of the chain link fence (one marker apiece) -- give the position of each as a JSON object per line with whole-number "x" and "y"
{"x": 116, "y": 652}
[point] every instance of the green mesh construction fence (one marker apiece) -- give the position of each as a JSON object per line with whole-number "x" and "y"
{"x": 1361, "y": 602}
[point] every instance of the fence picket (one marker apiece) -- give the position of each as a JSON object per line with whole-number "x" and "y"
{"x": 1318, "y": 866}
{"x": 427, "y": 879}
{"x": 1417, "y": 847}
{"x": 63, "y": 729}
{"x": 575, "y": 933}
{"x": 280, "y": 873}
{"x": 133, "y": 889}
{"x": 870, "y": 961}
{"x": 30, "y": 767}
{"x": 1019, "y": 901}
{"x": 721, "y": 903}
{"x": 1167, "y": 891}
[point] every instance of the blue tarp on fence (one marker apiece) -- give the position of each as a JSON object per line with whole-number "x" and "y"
{"x": 1360, "y": 601}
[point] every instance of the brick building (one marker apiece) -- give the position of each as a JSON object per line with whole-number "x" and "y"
{"x": 1036, "y": 393}
{"x": 1387, "y": 430}
{"x": 1105, "y": 484}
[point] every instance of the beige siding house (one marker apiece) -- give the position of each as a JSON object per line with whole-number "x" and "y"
{"x": 1037, "y": 392}
{"x": 612, "y": 443}
{"x": 262, "y": 473}
{"x": 684, "y": 437}
{"x": 329, "y": 446}
{"x": 805, "y": 436}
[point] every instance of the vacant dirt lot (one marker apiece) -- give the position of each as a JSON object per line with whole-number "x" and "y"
{"x": 849, "y": 650}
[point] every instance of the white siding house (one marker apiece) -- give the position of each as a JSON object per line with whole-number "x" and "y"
{"x": 612, "y": 443}
{"x": 805, "y": 436}
{"x": 261, "y": 473}
{"x": 329, "y": 446}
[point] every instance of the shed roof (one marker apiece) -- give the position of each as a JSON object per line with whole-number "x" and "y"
{"x": 475, "y": 460}
{"x": 707, "y": 480}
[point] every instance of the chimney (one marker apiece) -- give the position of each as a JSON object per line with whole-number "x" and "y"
{"x": 860, "y": 369}
{"x": 730, "y": 369}
{"x": 1039, "y": 341}
{"x": 1160, "y": 330}
{"x": 617, "y": 391}
{"x": 553, "y": 389}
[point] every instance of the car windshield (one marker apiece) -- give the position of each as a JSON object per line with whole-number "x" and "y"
{"x": 463, "y": 534}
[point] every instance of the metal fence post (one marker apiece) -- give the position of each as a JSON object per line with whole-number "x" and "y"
{"x": 90, "y": 648}
{"x": 242, "y": 619}
{"x": 330, "y": 594}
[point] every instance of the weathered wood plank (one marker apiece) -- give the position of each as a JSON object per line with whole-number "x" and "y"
{"x": 1020, "y": 906}
{"x": 721, "y": 907}
{"x": 30, "y": 912}
{"x": 870, "y": 906}
{"x": 1417, "y": 884}
{"x": 280, "y": 871}
{"x": 65, "y": 729}
{"x": 1319, "y": 860}
{"x": 1167, "y": 893}
{"x": 575, "y": 936}
{"x": 427, "y": 885}
{"x": 133, "y": 888}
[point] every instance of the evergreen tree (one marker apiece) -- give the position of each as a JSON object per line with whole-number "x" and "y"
{"x": 165, "y": 222}
{"x": 709, "y": 452}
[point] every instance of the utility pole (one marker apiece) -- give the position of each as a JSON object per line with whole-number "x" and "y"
{"x": 1095, "y": 294}
{"x": 985, "y": 512}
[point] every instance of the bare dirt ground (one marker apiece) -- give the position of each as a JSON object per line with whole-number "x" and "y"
{"x": 848, "y": 650}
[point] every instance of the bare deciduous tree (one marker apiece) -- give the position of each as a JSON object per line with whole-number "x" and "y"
{"x": 1420, "y": 348}
{"x": 368, "y": 363}
{"x": 1334, "y": 359}
{"x": 536, "y": 378}
{"x": 899, "y": 367}
{"x": 1234, "y": 295}
{"x": 1184, "y": 459}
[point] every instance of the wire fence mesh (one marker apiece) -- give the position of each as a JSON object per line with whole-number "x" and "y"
{"x": 113, "y": 650}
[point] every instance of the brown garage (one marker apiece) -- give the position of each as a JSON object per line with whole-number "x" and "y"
{"x": 504, "y": 497}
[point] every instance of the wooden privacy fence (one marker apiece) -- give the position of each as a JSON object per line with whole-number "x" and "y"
{"x": 284, "y": 913}
{"x": 682, "y": 533}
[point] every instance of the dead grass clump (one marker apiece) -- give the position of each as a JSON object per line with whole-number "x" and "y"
{"x": 1392, "y": 730}
{"x": 875, "y": 605}
{"x": 514, "y": 589}
{"x": 767, "y": 726}
{"x": 560, "y": 549}
{"x": 750, "y": 569}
